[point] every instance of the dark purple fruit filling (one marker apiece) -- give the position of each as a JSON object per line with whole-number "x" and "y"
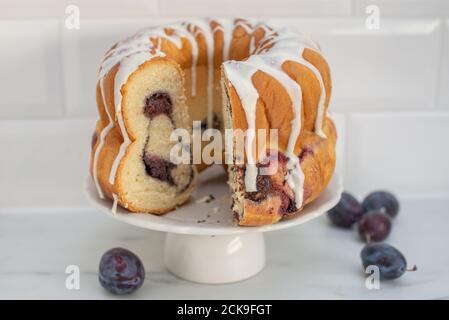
{"x": 291, "y": 206}
{"x": 156, "y": 104}
{"x": 158, "y": 168}
{"x": 285, "y": 202}
{"x": 121, "y": 271}
{"x": 272, "y": 184}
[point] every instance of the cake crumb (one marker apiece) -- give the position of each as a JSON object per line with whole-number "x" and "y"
{"x": 205, "y": 199}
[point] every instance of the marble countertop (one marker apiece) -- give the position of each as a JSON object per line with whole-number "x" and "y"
{"x": 311, "y": 261}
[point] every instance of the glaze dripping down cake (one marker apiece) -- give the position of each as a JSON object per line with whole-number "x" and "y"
{"x": 226, "y": 74}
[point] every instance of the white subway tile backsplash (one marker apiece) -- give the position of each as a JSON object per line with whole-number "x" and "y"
{"x": 394, "y": 67}
{"x": 407, "y": 153}
{"x": 30, "y": 69}
{"x": 386, "y": 84}
{"x": 106, "y": 9}
{"x": 405, "y": 8}
{"x": 259, "y": 8}
{"x": 103, "y": 9}
{"x": 26, "y": 9}
{"x": 83, "y": 50}
{"x": 444, "y": 83}
{"x": 44, "y": 162}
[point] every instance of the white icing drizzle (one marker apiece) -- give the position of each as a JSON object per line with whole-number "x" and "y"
{"x": 268, "y": 33}
{"x": 272, "y": 37}
{"x": 141, "y": 42}
{"x": 205, "y": 29}
{"x": 252, "y": 44}
{"x": 226, "y": 26}
{"x": 180, "y": 31}
{"x": 114, "y": 204}
{"x": 249, "y": 30}
{"x": 273, "y": 50}
{"x": 288, "y": 47}
{"x": 127, "y": 47}
{"x": 245, "y": 25}
{"x": 287, "y": 43}
{"x": 240, "y": 75}
{"x": 295, "y": 177}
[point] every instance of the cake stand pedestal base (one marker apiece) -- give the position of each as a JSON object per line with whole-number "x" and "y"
{"x": 214, "y": 259}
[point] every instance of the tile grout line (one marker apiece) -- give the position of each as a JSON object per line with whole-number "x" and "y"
{"x": 444, "y": 47}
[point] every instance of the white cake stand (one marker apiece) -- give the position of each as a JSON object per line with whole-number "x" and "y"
{"x": 203, "y": 244}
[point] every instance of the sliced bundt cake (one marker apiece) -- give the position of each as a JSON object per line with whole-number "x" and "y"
{"x": 226, "y": 74}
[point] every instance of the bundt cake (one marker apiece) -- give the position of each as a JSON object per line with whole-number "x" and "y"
{"x": 225, "y": 74}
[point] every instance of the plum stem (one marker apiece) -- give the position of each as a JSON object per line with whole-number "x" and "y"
{"x": 368, "y": 238}
{"x": 412, "y": 269}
